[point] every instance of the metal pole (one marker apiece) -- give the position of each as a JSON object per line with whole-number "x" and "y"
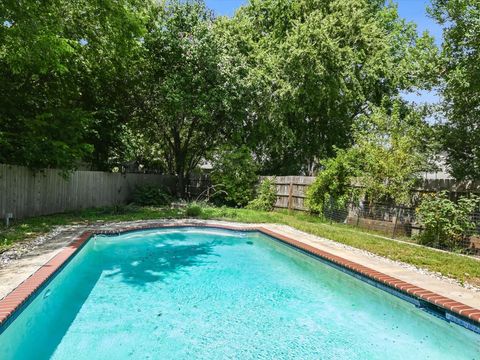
{"x": 397, "y": 214}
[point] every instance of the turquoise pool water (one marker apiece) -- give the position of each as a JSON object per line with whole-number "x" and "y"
{"x": 211, "y": 294}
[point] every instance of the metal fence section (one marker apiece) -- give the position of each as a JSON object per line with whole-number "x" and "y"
{"x": 392, "y": 221}
{"x": 386, "y": 219}
{"x": 24, "y": 193}
{"x": 199, "y": 187}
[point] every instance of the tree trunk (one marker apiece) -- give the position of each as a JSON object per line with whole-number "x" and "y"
{"x": 179, "y": 161}
{"x": 180, "y": 172}
{"x": 181, "y": 185}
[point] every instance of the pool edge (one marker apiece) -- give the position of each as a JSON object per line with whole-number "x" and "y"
{"x": 462, "y": 314}
{"x": 455, "y": 311}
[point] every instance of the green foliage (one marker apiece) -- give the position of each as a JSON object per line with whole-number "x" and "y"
{"x": 151, "y": 195}
{"x": 234, "y": 176}
{"x": 185, "y": 92}
{"x": 333, "y": 184}
{"x": 460, "y": 84}
{"x": 50, "y": 139}
{"x": 266, "y": 196}
{"x": 165, "y": 83}
{"x": 390, "y": 152}
{"x": 137, "y": 149}
{"x": 314, "y": 67}
{"x": 193, "y": 210}
{"x": 65, "y": 68}
{"x": 446, "y": 223}
{"x": 384, "y": 164}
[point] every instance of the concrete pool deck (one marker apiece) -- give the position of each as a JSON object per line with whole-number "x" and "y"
{"x": 65, "y": 240}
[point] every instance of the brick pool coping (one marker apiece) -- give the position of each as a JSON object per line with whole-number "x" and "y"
{"x": 23, "y": 292}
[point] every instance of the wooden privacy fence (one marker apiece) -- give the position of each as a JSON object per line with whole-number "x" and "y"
{"x": 391, "y": 220}
{"x": 198, "y": 187}
{"x": 24, "y": 193}
{"x": 291, "y": 191}
{"x": 291, "y": 194}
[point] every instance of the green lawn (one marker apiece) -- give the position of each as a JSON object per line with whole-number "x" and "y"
{"x": 459, "y": 267}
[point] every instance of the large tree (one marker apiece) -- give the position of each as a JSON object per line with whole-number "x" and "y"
{"x": 315, "y": 67}
{"x": 112, "y": 33}
{"x": 187, "y": 86}
{"x": 461, "y": 84}
{"x": 64, "y": 68}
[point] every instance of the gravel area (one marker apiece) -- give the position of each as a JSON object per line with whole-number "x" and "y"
{"x": 23, "y": 248}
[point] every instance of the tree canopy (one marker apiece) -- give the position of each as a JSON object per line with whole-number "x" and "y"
{"x": 186, "y": 86}
{"x": 460, "y": 84}
{"x": 317, "y": 65}
{"x": 65, "y": 68}
{"x": 389, "y": 154}
{"x": 288, "y": 84}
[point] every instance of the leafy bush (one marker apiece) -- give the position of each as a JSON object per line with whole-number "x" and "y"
{"x": 386, "y": 160}
{"x": 234, "y": 176}
{"x": 266, "y": 196}
{"x": 151, "y": 195}
{"x": 446, "y": 223}
{"x": 390, "y": 152}
{"x": 117, "y": 209}
{"x": 193, "y": 210}
{"x": 332, "y": 186}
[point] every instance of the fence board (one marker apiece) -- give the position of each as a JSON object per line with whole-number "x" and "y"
{"x": 291, "y": 194}
{"x": 301, "y": 183}
{"x": 25, "y": 193}
{"x": 293, "y": 188}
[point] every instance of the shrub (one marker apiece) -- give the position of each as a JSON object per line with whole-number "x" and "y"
{"x": 266, "y": 196}
{"x": 117, "y": 209}
{"x": 151, "y": 195}
{"x": 332, "y": 186}
{"x": 193, "y": 210}
{"x": 446, "y": 223}
{"x": 234, "y": 176}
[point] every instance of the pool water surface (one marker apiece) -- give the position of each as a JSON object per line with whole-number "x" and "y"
{"x": 190, "y": 293}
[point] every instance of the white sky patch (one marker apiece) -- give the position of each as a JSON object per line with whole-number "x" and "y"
{"x": 422, "y": 97}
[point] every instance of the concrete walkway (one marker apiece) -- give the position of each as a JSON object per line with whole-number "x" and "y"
{"x": 15, "y": 272}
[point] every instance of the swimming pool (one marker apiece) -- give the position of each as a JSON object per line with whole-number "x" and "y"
{"x": 191, "y": 293}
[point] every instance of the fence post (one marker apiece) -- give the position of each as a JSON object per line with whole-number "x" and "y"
{"x": 358, "y": 214}
{"x": 397, "y": 214}
{"x": 290, "y": 195}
